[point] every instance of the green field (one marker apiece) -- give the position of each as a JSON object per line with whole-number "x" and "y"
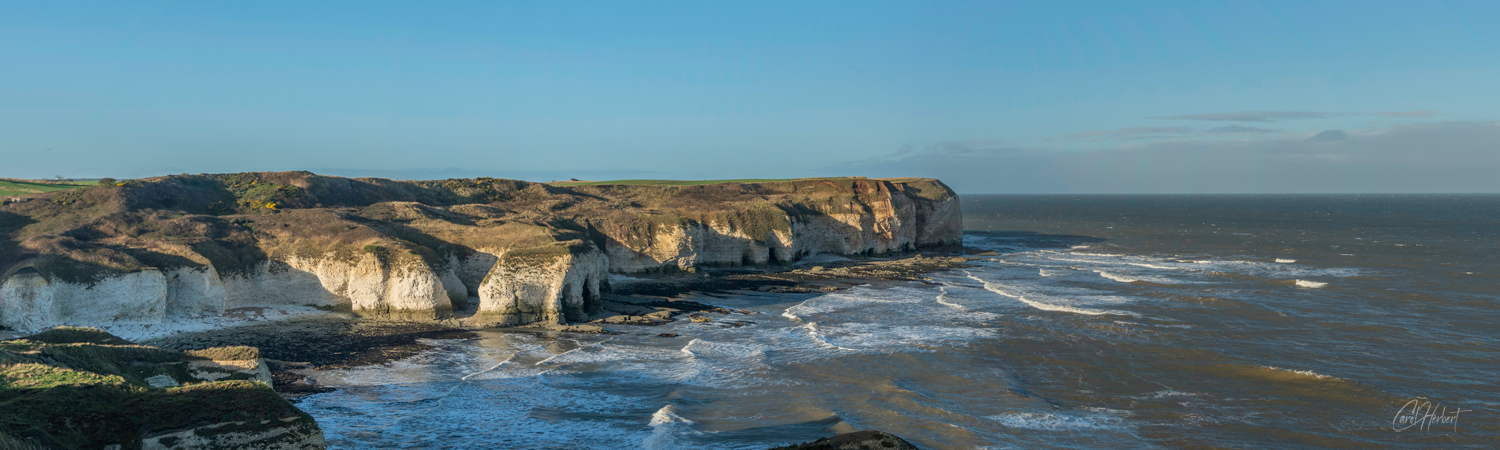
{"x": 12, "y": 187}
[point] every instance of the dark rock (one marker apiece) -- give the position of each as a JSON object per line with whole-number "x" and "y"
{"x": 859, "y": 440}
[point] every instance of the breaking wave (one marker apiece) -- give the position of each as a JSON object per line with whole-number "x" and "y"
{"x": 996, "y": 288}
{"x": 1119, "y": 278}
{"x": 1310, "y": 284}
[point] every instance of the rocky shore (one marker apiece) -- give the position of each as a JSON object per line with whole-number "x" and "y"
{"x": 295, "y": 348}
{"x": 83, "y": 388}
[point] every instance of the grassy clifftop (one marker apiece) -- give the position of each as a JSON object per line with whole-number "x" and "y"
{"x": 83, "y": 388}
{"x": 9, "y": 187}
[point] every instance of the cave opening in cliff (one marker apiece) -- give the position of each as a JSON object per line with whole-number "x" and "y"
{"x": 771, "y": 258}
{"x": 590, "y": 301}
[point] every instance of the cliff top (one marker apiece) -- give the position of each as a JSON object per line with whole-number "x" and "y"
{"x": 129, "y": 391}
{"x": 700, "y": 182}
{"x": 13, "y": 187}
{"x": 234, "y": 221}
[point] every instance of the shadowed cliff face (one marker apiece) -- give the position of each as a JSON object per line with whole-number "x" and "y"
{"x": 139, "y": 250}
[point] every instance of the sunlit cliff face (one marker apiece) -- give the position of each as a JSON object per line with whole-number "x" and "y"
{"x": 139, "y": 251}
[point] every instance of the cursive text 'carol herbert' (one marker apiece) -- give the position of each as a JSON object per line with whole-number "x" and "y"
{"x": 1422, "y": 414}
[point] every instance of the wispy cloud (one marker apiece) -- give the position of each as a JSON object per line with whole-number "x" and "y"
{"x": 1143, "y": 133}
{"x": 950, "y": 148}
{"x": 1453, "y": 157}
{"x": 1250, "y": 116}
{"x": 1129, "y": 133}
{"x": 1420, "y": 113}
{"x": 1329, "y": 136}
{"x": 1237, "y": 129}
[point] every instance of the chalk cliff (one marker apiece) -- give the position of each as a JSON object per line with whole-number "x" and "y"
{"x": 143, "y": 250}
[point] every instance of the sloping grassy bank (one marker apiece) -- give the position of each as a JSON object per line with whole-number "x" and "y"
{"x": 10, "y": 187}
{"x": 81, "y": 388}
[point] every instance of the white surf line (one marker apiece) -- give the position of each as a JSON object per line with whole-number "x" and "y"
{"x": 788, "y": 312}
{"x": 462, "y": 381}
{"x": 538, "y": 363}
{"x": 943, "y": 293}
{"x": 1006, "y": 262}
{"x": 497, "y": 366}
{"x": 1046, "y": 306}
{"x": 1153, "y": 266}
{"x": 812, "y": 330}
{"x": 1116, "y": 277}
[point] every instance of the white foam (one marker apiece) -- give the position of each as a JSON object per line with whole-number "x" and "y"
{"x": 1146, "y": 265}
{"x": 942, "y": 299}
{"x": 1119, "y": 278}
{"x": 800, "y": 306}
{"x": 1285, "y": 261}
{"x": 491, "y": 368}
{"x": 666, "y": 427}
{"x": 1308, "y": 373}
{"x": 1310, "y": 284}
{"x": 1281, "y": 268}
{"x": 999, "y": 289}
{"x": 812, "y": 331}
{"x": 1057, "y": 422}
{"x": 562, "y": 357}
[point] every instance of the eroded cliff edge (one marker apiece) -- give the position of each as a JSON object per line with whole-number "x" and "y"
{"x": 143, "y": 250}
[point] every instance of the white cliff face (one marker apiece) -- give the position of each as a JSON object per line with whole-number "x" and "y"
{"x": 363, "y": 285}
{"x": 897, "y": 223}
{"x": 278, "y": 283}
{"x": 26, "y": 303}
{"x": 549, "y": 290}
{"x": 136, "y": 297}
{"x": 194, "y": 290}
{"x": 471, "y": 269}
{"x": 32, "y": 303}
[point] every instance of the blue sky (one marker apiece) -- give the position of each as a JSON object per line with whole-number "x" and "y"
{"x": 993, "y": 97}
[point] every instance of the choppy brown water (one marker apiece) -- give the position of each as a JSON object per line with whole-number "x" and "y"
{"x": 1102, "y": 322}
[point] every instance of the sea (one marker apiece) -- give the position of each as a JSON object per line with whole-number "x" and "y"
{"x": 1089, "y": 321}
